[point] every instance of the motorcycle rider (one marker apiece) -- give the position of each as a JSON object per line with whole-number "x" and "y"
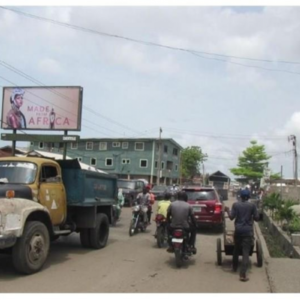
{"x": 151, "y": 202}
{"x": 120, "y": 203}
{"x": 163, "y": 205}
{"x": 243, "y": 212}
{"x": 143, "y": 199}
{"x": 180, "y": 216}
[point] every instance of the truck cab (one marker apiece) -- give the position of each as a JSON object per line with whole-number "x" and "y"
{"x": 42, "y": 199}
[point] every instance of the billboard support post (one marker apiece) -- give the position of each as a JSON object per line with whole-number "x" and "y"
{"x": 65, "y": 146}
{"x": 13, "y": 150}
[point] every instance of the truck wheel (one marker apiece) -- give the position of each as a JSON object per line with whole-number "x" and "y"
{"x": 31, "y": 250}
{"x": 99, "y": 235}
{"x": 85, "y": 238}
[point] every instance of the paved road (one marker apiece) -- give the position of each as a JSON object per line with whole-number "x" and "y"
{"x": 131, "y": 264}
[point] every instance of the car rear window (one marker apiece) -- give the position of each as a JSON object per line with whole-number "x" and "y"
{"x": 201, "y": 195}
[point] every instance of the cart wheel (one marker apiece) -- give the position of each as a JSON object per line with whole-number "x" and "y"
{"x": 219, "y": 252}
{"x": 259, "y": 254}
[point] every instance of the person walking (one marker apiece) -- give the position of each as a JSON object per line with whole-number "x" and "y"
{"x": 243, "y": 212}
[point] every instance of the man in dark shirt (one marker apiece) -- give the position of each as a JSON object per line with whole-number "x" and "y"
{"x": 243, "y": 212}
{"x": 180, "y": 215}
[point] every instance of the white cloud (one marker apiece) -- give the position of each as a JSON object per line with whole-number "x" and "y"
{"x": 51, "y": 66}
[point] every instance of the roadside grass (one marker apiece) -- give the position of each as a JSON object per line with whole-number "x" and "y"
{"x": 273, "y": 246}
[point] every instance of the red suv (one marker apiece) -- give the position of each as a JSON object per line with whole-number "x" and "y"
{"x": 207, "y": 206}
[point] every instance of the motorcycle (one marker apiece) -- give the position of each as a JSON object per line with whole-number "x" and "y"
{"x": 181, "y": 247}
{"x": 137, "y": 221}
{"x": 161, "y": 234}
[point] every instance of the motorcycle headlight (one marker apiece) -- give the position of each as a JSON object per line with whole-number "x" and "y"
{"x": 136, "y": 208}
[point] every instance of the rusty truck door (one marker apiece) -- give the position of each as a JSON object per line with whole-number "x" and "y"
{"x": 52, "y": 193}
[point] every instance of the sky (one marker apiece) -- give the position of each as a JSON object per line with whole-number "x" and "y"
{"x": 228, "y": 75}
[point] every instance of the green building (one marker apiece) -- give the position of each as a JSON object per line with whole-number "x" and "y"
{"x": 132, "y": 158}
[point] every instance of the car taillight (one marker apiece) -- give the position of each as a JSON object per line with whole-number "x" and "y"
{"x": 177, "y": 233}
{"x": 218, "y": 208}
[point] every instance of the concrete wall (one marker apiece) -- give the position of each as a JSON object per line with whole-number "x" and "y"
{"x": 288, "y": 192}
{"x": 281, "y": 237}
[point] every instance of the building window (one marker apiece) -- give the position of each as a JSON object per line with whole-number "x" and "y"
{"x": 103, "y": 146}
{"x": 74, "y": 145}
{"x": 176, "y": 167}
{"x": 162, "y": 165}
{"x": 125, "y": 145}
{"x": 41, "y": 145}
{"x": 93, "y": 161}
{"x": 156, "y": 164}
{"x": 51, "y": 146}
{"x": 61, "y": 145}
{"x": 143, "y": 163}
{"x": 139, "y": 146}
{"x": 165, "y": 149}
{"x": 108, "y": 161}
{"x": 175, "y": 152}
{"x": 89, "y": 146}
{"x": 125, "y": 161}
{"x": 116, "y": 144}
{"x": 79, "y": 158}
{"x": 31, "y": 143}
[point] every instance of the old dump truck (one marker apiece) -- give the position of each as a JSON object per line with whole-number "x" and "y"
{"x": 42, "y": 199}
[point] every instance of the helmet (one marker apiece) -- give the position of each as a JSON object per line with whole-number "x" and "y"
{"x": 168, "y": 196}
{"x": 182, "y": 196}
{"x": 245, "y": 194}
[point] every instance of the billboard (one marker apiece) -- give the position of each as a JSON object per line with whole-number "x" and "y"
{"x": 42, "y": 108}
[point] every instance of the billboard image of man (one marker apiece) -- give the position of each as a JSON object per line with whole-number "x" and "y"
{"x": 52, "y": 119}
{"x": 15, "y": 118}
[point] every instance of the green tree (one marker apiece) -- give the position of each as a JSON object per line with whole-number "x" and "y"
{"x": 275, "y": 176}
{"x": 251, "y": 163}
{"x": 191, "y": 158}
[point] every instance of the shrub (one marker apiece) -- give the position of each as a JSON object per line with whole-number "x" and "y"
{"x": 294, "y": 225}
{"x": 273, "y": 203}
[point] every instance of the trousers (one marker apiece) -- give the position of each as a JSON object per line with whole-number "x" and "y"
{"x": 242, "y": 244}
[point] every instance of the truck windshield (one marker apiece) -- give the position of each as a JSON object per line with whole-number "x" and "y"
{"x": 126, "y": 184}
{"x": 17, "y": 172}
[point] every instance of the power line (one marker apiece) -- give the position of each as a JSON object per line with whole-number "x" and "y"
{"x": 248, "y": 66}
{"x": 193, "y": 52}
{"x": 178, "y": 131}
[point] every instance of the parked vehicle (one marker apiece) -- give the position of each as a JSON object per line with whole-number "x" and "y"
{"x": 131, "y": 188}
{"x": 180, "y": 245}
{"x": 42, "y": 199}
{"x": 161, "y": 234}
{"x": 159, "y": 191}
{"x": 207, "y": 206}
{"x": 137, "y": 221}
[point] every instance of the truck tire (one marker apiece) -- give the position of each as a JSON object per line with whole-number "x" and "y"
{"x": 31, "y": 250}
{"x": 99, "y": 234}
{"x": 85, "y": 238}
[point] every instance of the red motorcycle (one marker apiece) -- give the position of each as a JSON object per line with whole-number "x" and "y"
{"x": 182, "y": 251}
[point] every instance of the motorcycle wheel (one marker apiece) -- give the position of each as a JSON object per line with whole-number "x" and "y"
{"x": 178, "y": 258}
{"x": 160, "y": 237}
{"x": 132, "y": 228}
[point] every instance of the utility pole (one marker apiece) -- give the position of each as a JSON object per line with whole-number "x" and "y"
{"x": 281, "y": 171}
{"x": 159, "y": 158}
{"x": 203, "y": 175}
{"x": 295, "y": 163}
